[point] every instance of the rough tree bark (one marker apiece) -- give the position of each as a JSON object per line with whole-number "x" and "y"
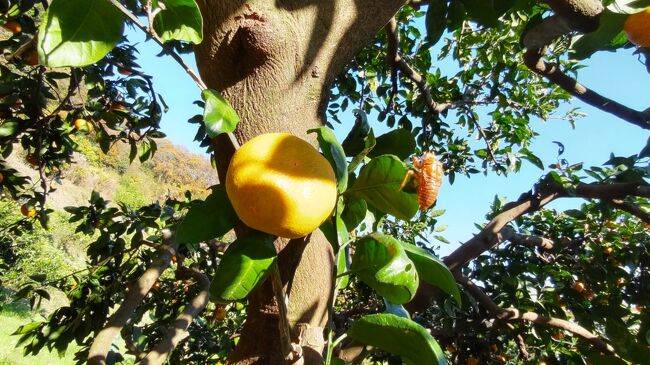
{"x": 275, "y": 62}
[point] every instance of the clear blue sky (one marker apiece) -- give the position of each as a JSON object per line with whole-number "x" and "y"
{"x": 619, "y": 76}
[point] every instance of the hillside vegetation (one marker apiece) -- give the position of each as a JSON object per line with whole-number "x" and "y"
{"x": 60, "y": 251}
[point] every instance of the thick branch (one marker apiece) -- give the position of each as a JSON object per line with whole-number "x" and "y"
{"x": 512, "y": 314}
{"x": 492, "y": 235}
{"x": 134, "y": 296}
{"x": 178, "y": 331}
{"x": 531, "y": 241}
{"x": 533, "y": 58}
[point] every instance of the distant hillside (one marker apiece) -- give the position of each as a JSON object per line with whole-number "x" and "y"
{"x": 171, "y": 172}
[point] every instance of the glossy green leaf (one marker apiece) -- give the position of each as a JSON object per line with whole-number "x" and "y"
{"x": 78, "y": 32}
{"x": 398, "y": 336}
{"x": 380, "y": 261}
{"x": 334, "y": 153}
{"x": 180, "y": 20}
{"x": 243, "y": 267}
{"x": 208, "y": 219}
{"x": 436, "y": 20}
{"x": 399, "y": 142}
{"x": 432, "y": 270}
{"x": 218, "y": 116}
{"x": 8, "y": 129}
{"x": 369, "y": 142}
{"x": 354, "y": 212}
{"x": 341, "y": 256}
{"x": 611, "y": 24}
{"x": 378, "y": 184}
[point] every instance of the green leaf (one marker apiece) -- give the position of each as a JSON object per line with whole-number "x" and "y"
{"x": 8, "y": 129}
{"x": 218, "y": 116}
{"x": 353, "y": 142}
{"x": 611, "y": 24}
{"x": 369, "y": 143}
{"x": 532, "y": 158}
{"x": 436, "y": 20}
{"x": 482, "y": 11}
{"x": 243, "y": 267}
{"x": 78, "y": 32}
{"x": 399, "y": 142}
{"x": 341, "y": 257}
{"x": 180, "y": 20}
{"x": 432, "y": 270}
{"x": 354, "y": 212}
{"x": 378, "y": 184}
{"x": 208, "y": 219}
{"x": 398, "y": 336}
{"x": 334, "y": 153}
{"x": 380, "y": 261}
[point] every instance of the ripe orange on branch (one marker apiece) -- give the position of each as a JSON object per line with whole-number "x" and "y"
{"x": 637, "y": 28}
{"x": 280, "y": 184}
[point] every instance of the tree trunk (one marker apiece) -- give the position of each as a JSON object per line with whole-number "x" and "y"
{"x": 275, "y": 61}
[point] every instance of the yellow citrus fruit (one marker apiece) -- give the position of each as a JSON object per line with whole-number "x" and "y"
{"x": 79, "y": 123}
{"x": 27, "y": 210}
{"x": 280, "y": 184}
{"x": 637, "y": 28}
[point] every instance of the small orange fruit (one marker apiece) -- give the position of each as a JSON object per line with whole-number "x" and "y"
{"x": 27, "y": 210}
{"x": 620, "y": 282}
{"x": 451, "y": 348}
{"x": 637, "y": 28}
{"x": 608, "y": 250}
{"x": 579, "y": 286}
{"x": 13, "y": 26}
{"x": 220, "y": 313}
{"x": 156, "y": 285}
{"x": 502, "y": 359}
{"x": 80, "y": 123}
{"x": 32, "y": 58}
{"x": 558, "y": 336}
{"x": 32, "y": 160}
{"x": 174, "y": 259}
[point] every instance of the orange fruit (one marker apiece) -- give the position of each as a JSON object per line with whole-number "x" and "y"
{"x": 220, "y": 313}
{"x": 451, "y": 349}
{"x": 79, "y": 123}
{"x": 156, "y": 285}
{"x": 579, "y": 286}
{"x": 31, "y": 58}
{"x": 502, "y": 359}
{"x": 32, "y": 160}
{"x": 174, "y": 259}
{"x": 27, "y": 210}
{"x": 558, "y": 336}
{"x": 620, "y": 282}
{"x": 280, "y": 184}
{"x": 13, "y": 26}
{"x": 637, "y": 28}
{"x": 608, "y": 250}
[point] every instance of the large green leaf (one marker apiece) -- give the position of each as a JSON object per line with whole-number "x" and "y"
{"x": 379, "y": 182}
{"x": 78, "y": 32}
{"x": 243, "y": 267}
{"x": 432, "y": 270}
{"x": 436, "y": 20}
{"x": 398, "y": 336}
{"x": 611, "y": 25}
{"x": 334, "y": 153}
{"x": 218, "y": 116}
{"x": 399, "y": 142}
{"x": 208, "y": 219}
{"x": 180, "y": 20}
{"x": 8, "y": 128}
{"x": 380, "y": 261}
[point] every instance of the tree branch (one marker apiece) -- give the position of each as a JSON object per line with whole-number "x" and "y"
{"x": 178, "y": 331}
{"x": 534, "y": 60}
{"x": 134, "y": 296}
{"x": 513, "y": 314}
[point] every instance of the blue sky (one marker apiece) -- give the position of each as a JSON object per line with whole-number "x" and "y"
{"x": 620, "y": 76}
